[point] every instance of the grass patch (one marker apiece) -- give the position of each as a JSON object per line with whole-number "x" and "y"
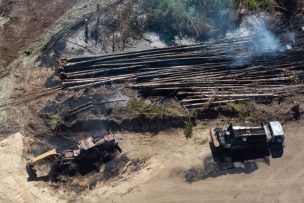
{"x": 151, "y": 111}
{"x": 294, "y": 79}
{"x": 38, "y": 46}
{"x": 258, "y": 4}
{"x": 35, "y": 48}
{"x": 54, "y": 121}
{"x": 232, "y": 109}
{"x": 188, "y": 128}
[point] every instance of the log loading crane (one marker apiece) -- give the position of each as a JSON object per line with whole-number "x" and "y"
{"x": 232, "y": 143}
{"x": 90, "y": 154}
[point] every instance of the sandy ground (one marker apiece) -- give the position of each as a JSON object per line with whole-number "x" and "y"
{"x": 281, "y": 181}
{"x": 162, "y": 179}
{"x": 14, "y": 186}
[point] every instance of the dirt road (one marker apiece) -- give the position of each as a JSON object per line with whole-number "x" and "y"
{"x": 171, "y": 161}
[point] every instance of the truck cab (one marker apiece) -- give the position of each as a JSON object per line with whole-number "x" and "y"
{"x": 277, "y": 132}
{"x": 276, "y": 145}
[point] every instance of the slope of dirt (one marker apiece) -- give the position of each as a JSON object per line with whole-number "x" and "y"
{"x": 22, "y": 23}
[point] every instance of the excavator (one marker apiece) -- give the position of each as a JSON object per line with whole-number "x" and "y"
{"x": 91, "y": 153}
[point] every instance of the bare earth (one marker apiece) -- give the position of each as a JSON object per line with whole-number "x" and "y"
{"x": 23, "y": 22}
{"x": 14, "y": 186}
{"x": 162, "y": 179}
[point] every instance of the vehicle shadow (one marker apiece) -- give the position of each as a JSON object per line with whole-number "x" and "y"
{"x": 211, "y": 169}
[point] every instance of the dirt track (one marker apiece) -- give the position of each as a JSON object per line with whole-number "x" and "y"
{"x": 162, "y": 179}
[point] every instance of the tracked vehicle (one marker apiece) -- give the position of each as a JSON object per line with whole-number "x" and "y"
{"x": 91, "y": 153}
{"x": 233, "y": 143}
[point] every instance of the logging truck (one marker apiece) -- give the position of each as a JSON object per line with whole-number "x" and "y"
{"x": 90, "y": 154}
{"x": 233, "y": 143}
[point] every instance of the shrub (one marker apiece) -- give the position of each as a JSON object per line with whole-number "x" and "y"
{"x": 233, "y": 108}
{"x": 188, "y": 128}
{"x": 54, "y": 121}
{"x": 149, "y": 110}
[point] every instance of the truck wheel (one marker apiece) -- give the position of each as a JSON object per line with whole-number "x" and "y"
{"x": 54, "y": 173}
{"x": 226, "y": 163}
{"x": 72, "y": 169}
{"x": 214, "y": 152}
{"x": 118, "y": 149}
{"x": 276, "y": 150}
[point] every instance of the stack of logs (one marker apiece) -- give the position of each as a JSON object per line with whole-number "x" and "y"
{"x": 199, "y": 75}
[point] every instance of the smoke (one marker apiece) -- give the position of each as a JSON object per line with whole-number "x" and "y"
{"x": 257, "y": 40}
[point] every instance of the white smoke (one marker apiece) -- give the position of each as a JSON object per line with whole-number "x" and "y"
{"x": 258, "y": 39}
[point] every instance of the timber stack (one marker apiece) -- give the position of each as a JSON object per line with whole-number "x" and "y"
{"x": 200, "y": 75}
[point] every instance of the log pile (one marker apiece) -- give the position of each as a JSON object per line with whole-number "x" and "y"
{"x": 199, "y": 75}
